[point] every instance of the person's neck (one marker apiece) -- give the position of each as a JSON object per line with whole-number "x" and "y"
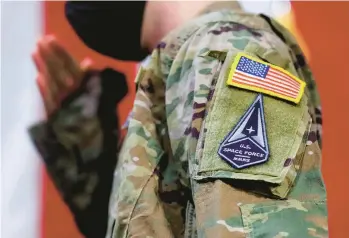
{"x": 162, "y": 17}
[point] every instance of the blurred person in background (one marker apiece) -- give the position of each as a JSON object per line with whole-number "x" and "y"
{"x": 159, "y": 190}
{"x": 79, "y": 141}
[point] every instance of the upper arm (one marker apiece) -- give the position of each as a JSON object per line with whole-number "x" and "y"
{"x": 135, "y": 185}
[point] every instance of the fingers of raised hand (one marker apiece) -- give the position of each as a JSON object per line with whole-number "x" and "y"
{"x": 53, "y": 79}
{"x": 57, "y": 71}
{"x": 47, "y": 94}
{"x": 71, "y": 66}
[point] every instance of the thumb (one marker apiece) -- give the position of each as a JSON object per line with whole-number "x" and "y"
{"x": 86, "y": 64}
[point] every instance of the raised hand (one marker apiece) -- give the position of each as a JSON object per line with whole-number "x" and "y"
{"x": 58, "y": 72}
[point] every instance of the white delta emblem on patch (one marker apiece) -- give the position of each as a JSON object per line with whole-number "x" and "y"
{"x": 247, "y": 143}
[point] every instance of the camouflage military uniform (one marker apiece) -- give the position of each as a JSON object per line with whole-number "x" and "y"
{"x": 170, "y": 182}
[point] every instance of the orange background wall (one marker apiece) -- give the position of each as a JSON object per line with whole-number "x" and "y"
{"x": 324, "y": 28}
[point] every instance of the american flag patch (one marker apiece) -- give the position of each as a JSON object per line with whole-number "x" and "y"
{"x": 256, "y": 75}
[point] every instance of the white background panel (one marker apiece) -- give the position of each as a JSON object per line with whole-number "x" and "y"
{"x": 20, "y": 107}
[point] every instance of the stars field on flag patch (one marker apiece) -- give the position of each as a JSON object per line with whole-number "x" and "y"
{"x": 255, "y": 75}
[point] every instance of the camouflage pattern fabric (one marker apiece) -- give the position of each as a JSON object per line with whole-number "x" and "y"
{"x": 160, "y": 188}
{"x": 78, "y": 144}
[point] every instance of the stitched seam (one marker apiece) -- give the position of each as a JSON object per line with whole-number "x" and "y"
{"x": 246, "y": 224}
{"x": 139, "y": 195}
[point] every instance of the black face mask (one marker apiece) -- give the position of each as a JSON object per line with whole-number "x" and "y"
{"x": 112, "y": 28}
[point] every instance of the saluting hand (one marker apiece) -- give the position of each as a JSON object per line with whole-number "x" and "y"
{"x": 58, "y": 72}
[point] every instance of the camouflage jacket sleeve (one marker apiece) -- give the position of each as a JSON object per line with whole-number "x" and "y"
{"x": 78, "y": 145}
{"x": 145, "y": 189}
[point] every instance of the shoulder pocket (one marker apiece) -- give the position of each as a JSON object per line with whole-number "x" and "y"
{"x": 291, "y": 218}
{"x": 304, "y": 214}
{"x": 286, "y": 127}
